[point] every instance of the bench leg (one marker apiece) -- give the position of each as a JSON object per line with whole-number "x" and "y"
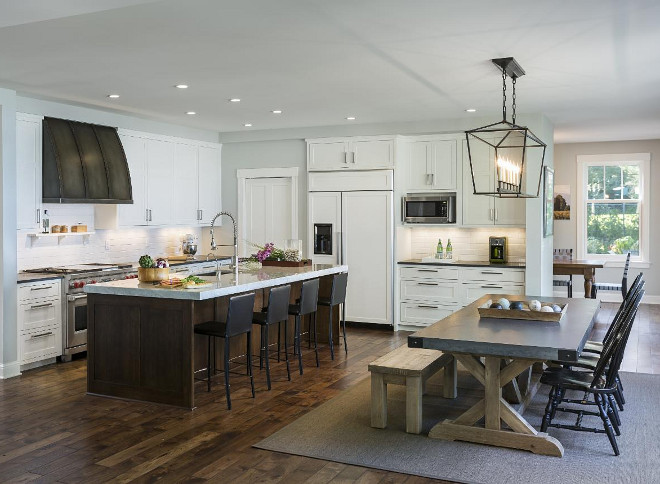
{"x": 378, "y": 401}
{"x": 449, "y": 380}
{"x": 413, "y": 404}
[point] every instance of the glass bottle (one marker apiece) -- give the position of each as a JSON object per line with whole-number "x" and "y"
{"x": 448, "y": 253}
{"x": 45, "y": 220}
{"x": 438, "y": 250}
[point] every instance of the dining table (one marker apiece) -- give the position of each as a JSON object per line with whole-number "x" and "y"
{"x": 495, "y": 351}
{"x": 586, "y": 268}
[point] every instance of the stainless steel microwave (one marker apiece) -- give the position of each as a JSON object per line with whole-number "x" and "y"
{"x": 429, "y": 208}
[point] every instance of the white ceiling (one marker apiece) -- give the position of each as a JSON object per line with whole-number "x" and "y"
{"x": 593, "y": 66}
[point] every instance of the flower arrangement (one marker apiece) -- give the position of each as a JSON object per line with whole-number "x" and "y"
{"x": 270, "y": 252}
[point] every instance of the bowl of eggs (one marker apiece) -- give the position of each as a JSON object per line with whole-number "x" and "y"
{"x": 531, "y": 310}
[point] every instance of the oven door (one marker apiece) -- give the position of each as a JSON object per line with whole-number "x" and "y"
{"x": 76, "y": 321}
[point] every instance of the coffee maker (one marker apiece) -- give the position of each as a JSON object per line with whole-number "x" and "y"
{"x": 497, "y": 250}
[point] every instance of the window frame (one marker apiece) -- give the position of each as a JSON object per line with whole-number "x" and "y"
{"x": 643, "y": 160}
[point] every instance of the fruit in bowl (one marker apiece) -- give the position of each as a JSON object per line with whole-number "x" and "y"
{"x": 151, "y": 270}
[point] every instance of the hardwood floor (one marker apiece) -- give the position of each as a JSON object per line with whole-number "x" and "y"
{"x": 51, "y": 431}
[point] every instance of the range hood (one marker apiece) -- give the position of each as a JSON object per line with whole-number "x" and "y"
{"x": 83, "y": 163}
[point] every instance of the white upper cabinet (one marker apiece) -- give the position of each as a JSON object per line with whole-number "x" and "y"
{"x": 357, "y": 153}
{"x": 28, "y": 171}
{"x": 209, "y": 178}
{"x": 184, "y": 195}
{"x": 483, "y": 209}
{"x": 430, "y": 164}
{"x": 133, "y": 214}
{"x": 160, "y": 182}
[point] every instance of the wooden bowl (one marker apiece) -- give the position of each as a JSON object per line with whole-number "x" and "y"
{"x": 153, "y": 274}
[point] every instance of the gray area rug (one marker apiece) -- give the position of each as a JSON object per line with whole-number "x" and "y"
{"x": 339, "y": 431}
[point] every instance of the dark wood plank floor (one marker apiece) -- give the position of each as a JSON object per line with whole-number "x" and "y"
{"x": 50, "y": 431}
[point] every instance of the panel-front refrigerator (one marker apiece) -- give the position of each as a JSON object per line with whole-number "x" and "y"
{"x": 351, "y": 222}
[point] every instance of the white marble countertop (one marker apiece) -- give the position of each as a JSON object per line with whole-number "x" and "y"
{"x": 227, "y": 284}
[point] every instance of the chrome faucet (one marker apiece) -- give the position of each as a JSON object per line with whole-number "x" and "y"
{"x": 214, "y": 246}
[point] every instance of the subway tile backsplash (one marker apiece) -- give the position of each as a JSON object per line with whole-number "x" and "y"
{"x": 111, "y": 246}
{"x": 469, "y": 244}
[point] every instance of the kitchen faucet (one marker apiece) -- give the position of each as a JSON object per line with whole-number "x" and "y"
{"x": 214, "y": 246}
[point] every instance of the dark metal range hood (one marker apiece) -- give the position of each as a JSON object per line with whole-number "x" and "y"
{"x": 83, "y": 163}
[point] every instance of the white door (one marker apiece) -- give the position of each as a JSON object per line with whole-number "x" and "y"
{"x": 477, "y": 209}
{"x": 443, "y": 164}
{"x": 184, "y": 196}
{"x": 367, "y": 238}
{"x": 267, "y": 213}
{"x": 419, "y": 177}
{"x": 209, "y": 183}
{"x": 160, "y": 182}
{"x": 510, "y": 211}
{"x": 368, "y": 154}
{"x": 327, "y": 155}
{"x": 324, "y": 208}
{"x": 28, "y": 173}
{"x": 136, "y": 155}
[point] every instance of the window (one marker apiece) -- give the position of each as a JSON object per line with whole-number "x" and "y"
{"x": 612, "y": 211}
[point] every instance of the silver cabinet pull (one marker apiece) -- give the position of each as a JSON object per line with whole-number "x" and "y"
{"x": 428, "y": 307}
{"x": 40, "y": 288}
{"x": 38, "y": 215}
{"x": 427, "y": 270}
{"x": 492, "y": 272}
{"x": 150, "y": 219}
{"x": 491, "y": 214}
{"x": 345, "y": 157}
{"x": 492, "y": 287}
{"x": 41, "y": 335}
{"x": 427, "y": 283}
{"x": 146, "y": 215}
{"x": 39, "y": 306}
{"x": 432, "y": 178}
{"x": 354, "y": 158}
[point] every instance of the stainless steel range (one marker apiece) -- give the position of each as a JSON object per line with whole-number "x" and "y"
{"x": 74, "y": 316}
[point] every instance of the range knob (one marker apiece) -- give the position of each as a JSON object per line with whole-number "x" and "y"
{"x": 92, "y": 282}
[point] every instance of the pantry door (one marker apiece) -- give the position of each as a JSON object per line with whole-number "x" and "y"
{"x": 269, "y": 212}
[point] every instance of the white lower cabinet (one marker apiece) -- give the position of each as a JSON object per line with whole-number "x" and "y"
{"x": 39, "y": 321}
{"x": 429, "y": 293}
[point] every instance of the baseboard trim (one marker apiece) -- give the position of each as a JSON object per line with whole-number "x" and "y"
{"x": 10, "y": 370}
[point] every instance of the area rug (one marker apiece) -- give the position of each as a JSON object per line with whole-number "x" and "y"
{"x": 339, "y": 431}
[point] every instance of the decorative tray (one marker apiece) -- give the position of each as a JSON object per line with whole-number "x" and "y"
{"x": 287, "y": 263}
{"x": 485, "y": 311}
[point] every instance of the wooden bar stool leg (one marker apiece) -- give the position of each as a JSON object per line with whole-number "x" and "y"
{"x": 332, "y": 346}
{"x": 208, "y": 367}
{"x": 316, "y": 344}
{"x": 261, "y": 348}
{"x": 227, "y": 374}
{"x": 279, "y": 331}
{"x": 343, "y": 323}
{"x": 249, "y": 360}
{"x": 286, "y": 352}
{"x": 267, "y": 359}
{"x": 296, "y": 343}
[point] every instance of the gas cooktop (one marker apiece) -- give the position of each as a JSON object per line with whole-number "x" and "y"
{"x": 80, "y": 268}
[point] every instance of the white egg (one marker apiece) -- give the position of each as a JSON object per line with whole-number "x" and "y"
{"x": 546, "y": 309}
{"x": 534, "y": 305}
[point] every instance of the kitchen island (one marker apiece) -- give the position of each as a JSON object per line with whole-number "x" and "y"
{"x": 141, "y": 342}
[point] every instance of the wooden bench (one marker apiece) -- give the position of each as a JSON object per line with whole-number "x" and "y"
{"x": 410, "y": 367}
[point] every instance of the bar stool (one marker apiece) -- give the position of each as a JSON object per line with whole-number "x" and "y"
{"x": 239, "y": 321}
{"x": 337, "y": 296}
{"x": 305, "y": 305}
{"x": 277, "y": 311}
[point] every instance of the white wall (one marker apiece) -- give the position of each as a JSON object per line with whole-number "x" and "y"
{"x": 566, "y": 230}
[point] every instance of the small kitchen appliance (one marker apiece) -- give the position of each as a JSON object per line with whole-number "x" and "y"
{"x": 497, "y": 250}
{"x": 189, "y": 246}
{"x": 429, "y": 208}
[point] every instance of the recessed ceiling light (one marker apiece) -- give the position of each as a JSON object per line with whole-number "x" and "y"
{"x": 350, "y": 118}
{"x": 248, "y": 125}
{"x": 113, "y": 96}
{"x": 191, "y": 112}
{"x": 470, "y": 110}
{"x": 234, "y": 100}
{"x": 181, "y": 86}
{"x": 276, "y": 111}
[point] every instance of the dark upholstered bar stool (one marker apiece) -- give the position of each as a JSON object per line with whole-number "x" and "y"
{"x": 276, "y": 312}
{"x": 305, "y": 305}
{"x": 337, "y": 297}
{"x": 239, "y": 321}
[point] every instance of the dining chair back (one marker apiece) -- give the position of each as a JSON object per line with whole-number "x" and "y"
{"x": 607, "y": 286}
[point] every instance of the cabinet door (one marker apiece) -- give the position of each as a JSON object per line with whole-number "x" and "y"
{"x": 442, "y": 160}
{"x": 510, "y": 211}
{"x": 160, "y": 181}
{"x": 477, "y": 209}
{"x": 136, "y": 154}
{"x": 367, "y": 239}
{"x": 209, "y": 183}
{"x": 371, "y": 154}
{"x": 185, "y": 194}
{"x": 418, "y": 169}
{"x": 330, "y": 155}
{"x": 28, "y": 173}
{"x": 324, "y": 209}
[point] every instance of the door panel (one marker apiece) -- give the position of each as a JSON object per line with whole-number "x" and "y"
{"x": 443, "y": 162}
{"x": 209, "y": 202}
{"x": 184, "y": 206}
{"x": 372, "y": 154}
{"x": 160, "y": 184}
{"x": 136, "y": 155}
{"x": 367, "y": 238}
{"x": 327, "y": 156}
{"x": 325, "y": 208}
{"x": 267, "y": 215}
{"x": 477, "y": 209}
{"x": 418, "y": 166}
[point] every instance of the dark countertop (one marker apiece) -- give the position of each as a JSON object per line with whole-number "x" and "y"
{"x": 36, "y": 276}
{"x": 511, "y": 265}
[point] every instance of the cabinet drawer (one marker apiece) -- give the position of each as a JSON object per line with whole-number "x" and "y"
{"x": 39, "y": 314}
{"x": 473, "y": 291}
{"x": 493, "y": 274}
{"x": 429, "y": 290}
{"x": 429, "y": 272}
{"x": 39, "y": 290}
{"x": 420, "y": 314}
{"x": 41, "y": 345}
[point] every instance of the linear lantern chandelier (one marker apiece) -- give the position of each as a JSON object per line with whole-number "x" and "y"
{"x": 517, "y": 151}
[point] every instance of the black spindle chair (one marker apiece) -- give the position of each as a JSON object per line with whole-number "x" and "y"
{"x": 238, "y": 322}
{"x": 562, "y": 254}
{"x": 277, "y": 312}
{"x": 337, "y": 297}
{"x": 613, "y": 286}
